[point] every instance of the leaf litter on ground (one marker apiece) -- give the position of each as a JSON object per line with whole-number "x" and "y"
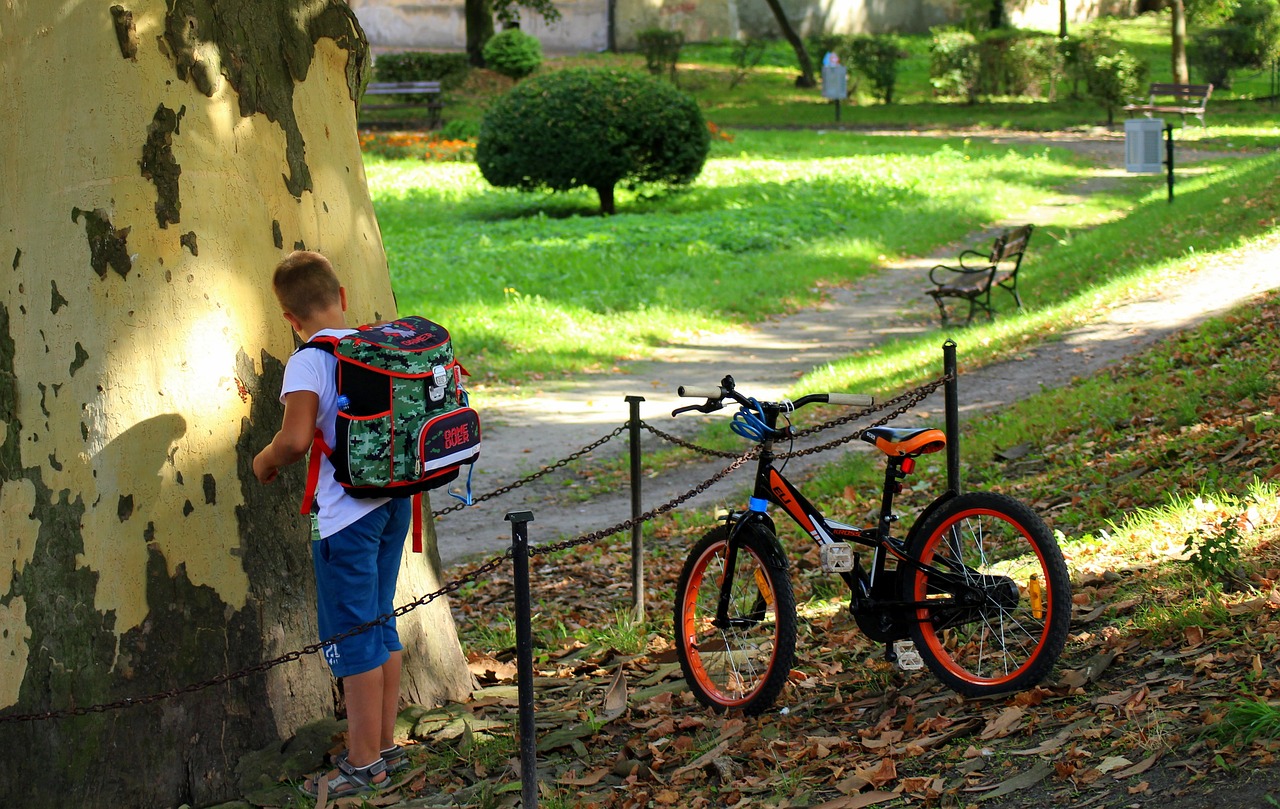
{"x": 1168, "y": 683}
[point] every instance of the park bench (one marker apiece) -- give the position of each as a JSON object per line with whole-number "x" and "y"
{"x": 1184, "y": 99}
{"x": 407, "y": 95}
{"x": 978, "y": 273}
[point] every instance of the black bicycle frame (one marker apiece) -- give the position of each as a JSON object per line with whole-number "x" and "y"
{"x": 772, "y": 487}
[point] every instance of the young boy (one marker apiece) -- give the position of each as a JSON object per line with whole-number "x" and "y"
{"x": 357, "y": 554}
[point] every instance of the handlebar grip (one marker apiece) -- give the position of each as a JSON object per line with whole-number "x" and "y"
{"x": 696, "y": 392}
{"x": 851, "y": 399}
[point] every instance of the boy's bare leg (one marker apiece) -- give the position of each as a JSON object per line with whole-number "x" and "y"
{"x": 363, "y": 693}
{"x": 390, "y": 699}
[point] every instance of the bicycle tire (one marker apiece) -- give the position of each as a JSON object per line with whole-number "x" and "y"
{"x": 743, "y": 667}
{"x": 1005, "y": 638}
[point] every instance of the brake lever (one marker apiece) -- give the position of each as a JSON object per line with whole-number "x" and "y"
{"x": 710, "y": 406}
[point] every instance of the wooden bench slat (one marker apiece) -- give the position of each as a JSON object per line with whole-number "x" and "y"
{"x": 1190, "y": 99}
{"x": 428, "y": 90}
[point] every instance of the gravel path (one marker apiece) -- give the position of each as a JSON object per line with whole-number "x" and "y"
{"x": 524, "y": 435}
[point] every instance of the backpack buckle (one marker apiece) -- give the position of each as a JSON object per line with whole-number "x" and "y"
{"x": 440, "y": 376}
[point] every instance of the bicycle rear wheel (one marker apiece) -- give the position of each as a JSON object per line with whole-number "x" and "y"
{"x": 742, "y": 663}
{"x": 1002, "y": 590}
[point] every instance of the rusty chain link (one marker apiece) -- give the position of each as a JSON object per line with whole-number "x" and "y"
{"x": 907, "y": 401}
{"x": 665, "y": 436}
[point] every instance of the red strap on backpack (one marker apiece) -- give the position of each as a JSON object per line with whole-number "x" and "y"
{"x": 318, "y": 446}
{"x": 417, "y": 522}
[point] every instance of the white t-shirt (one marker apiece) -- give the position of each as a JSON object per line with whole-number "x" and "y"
{"x": 314, "y": 370}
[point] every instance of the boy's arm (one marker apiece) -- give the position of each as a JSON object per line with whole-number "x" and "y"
{"x": 295, "y": 436}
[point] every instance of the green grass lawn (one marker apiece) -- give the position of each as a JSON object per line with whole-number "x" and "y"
{"x": 537, "y": 284}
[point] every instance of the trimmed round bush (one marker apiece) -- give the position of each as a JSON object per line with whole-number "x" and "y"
{"x": 594, "y": 128}
{"x": 513, "y": 53}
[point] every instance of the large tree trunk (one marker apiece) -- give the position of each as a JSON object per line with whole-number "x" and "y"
{"x": 1181, "y": 75}
{"x": 805, "y": 79}
{"x": 158, "y": 160}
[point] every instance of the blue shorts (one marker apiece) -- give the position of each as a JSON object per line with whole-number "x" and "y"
{"x": 356, "y": 571}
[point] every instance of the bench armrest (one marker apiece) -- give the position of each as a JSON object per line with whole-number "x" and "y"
{"x": 984, "y": 258}
{"x": 938, "y": 275}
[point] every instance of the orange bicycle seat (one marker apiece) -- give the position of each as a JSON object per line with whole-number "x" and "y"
{"x": 906, "y": 441}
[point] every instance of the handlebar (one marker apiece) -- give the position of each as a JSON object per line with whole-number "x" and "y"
{"x": 695, "y": 392}
{"x": 715, "y": 397}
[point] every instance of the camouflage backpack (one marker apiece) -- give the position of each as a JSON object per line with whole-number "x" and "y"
{"x": 403, "y": 424}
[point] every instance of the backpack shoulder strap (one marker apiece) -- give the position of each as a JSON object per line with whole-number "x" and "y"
{"x": 327, "y": 343}
{"x": 318, "y": 446}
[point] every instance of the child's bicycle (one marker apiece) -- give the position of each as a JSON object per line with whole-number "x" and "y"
{"x": 978, "y": 584}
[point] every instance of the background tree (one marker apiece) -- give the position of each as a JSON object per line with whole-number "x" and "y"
{"x": 593, "y": 128}
{"x": 1178, "y": 38}
{"x": 159, "y": 159}
{"x": 480, "y": 14}
{"x": 479, "y": 18}
{"x": 805, "y": 79}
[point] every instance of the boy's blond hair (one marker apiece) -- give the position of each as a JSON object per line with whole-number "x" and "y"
{"x": 305, "y": 283}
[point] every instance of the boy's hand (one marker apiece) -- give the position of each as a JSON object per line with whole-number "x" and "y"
{"x": 294, "y": 439}
{"x": 263, "y": 469}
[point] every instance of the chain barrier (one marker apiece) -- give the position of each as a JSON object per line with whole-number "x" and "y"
{"x": 626, "y": 525}
{"x": 673, "y": 439}
{"x": 905, "y": 402}
{"x": 588, "y": 449}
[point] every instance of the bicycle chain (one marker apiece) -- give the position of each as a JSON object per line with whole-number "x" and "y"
{"x": 589, "y": 448}
{"x": 258, "y": 668}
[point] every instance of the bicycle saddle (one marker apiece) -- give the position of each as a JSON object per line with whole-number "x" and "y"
{"x": 905, "y": 441}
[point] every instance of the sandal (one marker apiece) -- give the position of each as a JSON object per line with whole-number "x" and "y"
{"x": 350, "y": 780}
{"x": 395, "y": 757}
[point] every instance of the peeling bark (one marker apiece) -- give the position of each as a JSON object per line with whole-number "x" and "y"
{"x": 108, "y": 247}
{"x": 262, "y": 54}
{"x": 126, "y": 33}
{"x": 56, "y": 301}
{"x": 159, "y": 166}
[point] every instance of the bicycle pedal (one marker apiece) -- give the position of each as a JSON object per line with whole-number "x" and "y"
{"x": 908, "y": 658}
{"x": 837, "y": 558}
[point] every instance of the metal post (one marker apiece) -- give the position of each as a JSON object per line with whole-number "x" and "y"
{"x": 524, "y": 657}
{"x": 1168, "y": 150}
{"x": 837, "y": 110}
{"x": 637, "y": 529}
{"x": 951, "y": 405}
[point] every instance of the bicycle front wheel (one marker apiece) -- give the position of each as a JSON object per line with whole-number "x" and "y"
{"x": 740, "y": 662}
{"x": 999, "y": 595}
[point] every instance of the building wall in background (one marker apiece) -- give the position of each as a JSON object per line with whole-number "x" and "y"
{"x": 395, "y": 25}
